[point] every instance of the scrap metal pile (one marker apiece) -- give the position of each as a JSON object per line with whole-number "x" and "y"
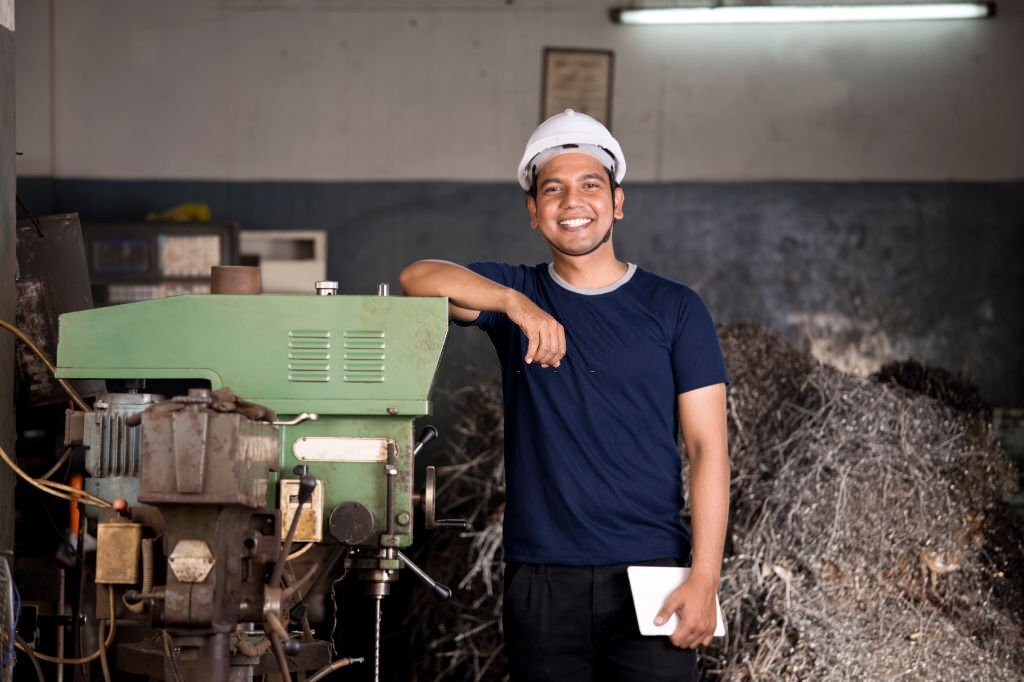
{"x": 868, "y": 538}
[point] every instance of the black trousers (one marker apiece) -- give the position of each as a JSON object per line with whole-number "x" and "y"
{"x": 577, "y": 624}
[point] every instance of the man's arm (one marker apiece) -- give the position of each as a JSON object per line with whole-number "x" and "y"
{"x": 703, "y": 422}
{"x": 468, "y": 293}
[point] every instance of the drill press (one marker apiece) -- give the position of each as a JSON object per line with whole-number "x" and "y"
{"x": 312, "y": 443}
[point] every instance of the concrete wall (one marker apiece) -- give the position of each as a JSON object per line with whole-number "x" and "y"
{"x": 449, "y": 89}
{"x": 395, "y": 125}
{"x": 7, "y": 267}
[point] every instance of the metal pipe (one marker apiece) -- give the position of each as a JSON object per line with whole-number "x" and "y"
{"x": 391, "y": 472}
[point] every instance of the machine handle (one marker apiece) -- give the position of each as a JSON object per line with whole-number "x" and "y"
{"x": 428, "y": 434}
{"x": 307, "y": 484}
{"x": 305, "y": 416}
{"x": 452, "y": 524}
{"x": 442, "y": 592}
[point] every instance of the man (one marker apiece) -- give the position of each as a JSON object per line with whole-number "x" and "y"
{"x": 602, "y": 364}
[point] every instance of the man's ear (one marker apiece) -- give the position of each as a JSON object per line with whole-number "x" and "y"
{"x": 619, "y": 197}
{"x": 531, "y": 206}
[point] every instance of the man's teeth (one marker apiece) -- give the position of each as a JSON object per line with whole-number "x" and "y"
{"x": 574, "y": 222}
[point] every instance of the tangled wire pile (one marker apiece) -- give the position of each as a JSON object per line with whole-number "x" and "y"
{"x": 462, "y": 640}
{"x": 868, "y": 539}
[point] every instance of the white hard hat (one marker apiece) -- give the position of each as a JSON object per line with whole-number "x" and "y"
{"x": 570, "y": 128}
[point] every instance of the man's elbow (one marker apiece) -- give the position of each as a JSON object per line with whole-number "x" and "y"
{"x": 411, "y": 280}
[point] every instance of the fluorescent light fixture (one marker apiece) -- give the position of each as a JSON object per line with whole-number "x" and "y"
{"x": 781, "y": 13}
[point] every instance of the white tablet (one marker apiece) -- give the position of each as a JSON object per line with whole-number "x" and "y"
{"x": 651, "y": 585}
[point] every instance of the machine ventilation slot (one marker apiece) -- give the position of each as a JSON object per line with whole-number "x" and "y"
{"x": 119, "y": 447}
{"x": 309, "y": 355}
{"x": 364, "y": 356}
{"x": 112, "y": 446}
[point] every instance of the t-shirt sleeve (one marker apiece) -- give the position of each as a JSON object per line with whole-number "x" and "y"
{"x": 696, "y": 354}
{"x": 505, "y": 275}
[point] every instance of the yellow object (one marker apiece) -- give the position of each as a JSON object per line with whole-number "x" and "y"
{"x": 183, "y": 213}
{"x": 118, "y": 549}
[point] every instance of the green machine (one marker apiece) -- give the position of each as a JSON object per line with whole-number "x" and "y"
{"x": 327, "y": 457}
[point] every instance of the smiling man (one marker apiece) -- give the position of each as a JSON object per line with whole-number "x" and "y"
{"x": 603, "y": 364}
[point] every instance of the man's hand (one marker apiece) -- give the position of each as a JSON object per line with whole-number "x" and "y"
{"x": 694, "y": 603}
{"x": 545, "y": 334}
{"x": 468, "y": 293}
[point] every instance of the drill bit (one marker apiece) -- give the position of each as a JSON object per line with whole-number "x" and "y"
{"x": 376, "y": 641}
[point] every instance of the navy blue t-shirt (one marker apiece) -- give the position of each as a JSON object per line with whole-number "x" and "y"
{"x": 592, "y": 470}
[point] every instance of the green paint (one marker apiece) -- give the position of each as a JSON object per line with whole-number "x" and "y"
{"x": 365, "y": 364}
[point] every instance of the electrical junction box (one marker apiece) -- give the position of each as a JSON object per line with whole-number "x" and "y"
{"x": 118, "y": 547}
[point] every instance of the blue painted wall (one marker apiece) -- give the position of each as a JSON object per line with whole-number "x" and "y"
{"x": 864, "y": 271}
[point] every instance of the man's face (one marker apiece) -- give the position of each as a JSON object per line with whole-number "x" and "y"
{"x": 575, "y": 205}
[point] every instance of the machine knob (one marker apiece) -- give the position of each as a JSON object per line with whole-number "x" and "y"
{"x": 428, "y": 434}
{"x": 352, "y": 523}
{"x": 292, "y": 647}
{"x": 307, "y": 484}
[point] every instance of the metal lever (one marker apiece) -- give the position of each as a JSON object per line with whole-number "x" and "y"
{"x": 428, "y": 434}
{"x": 280, "y": 641}
{"x": 451, "y": 524}
{"x": 442, "y": 592}
{"x": 305, "y": 416}
{"x": 307, "y": 484}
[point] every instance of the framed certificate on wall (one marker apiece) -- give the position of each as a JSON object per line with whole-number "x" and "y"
{"x": 577, "y": 79}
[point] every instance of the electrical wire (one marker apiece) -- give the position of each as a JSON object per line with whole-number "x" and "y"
{"x": 24, "y": 338}
{"x": 104, "y": 665}
{"x": 335, "y": 665}
{"x": 172, "y": 661}
{"x": 60, "y": 462}
{"x": 91, "y": 657}
{"x": 54, "y": 488}
{"x": 299, "y": 552}
{"x": 301, "y": 583}
{"x": 31, "y": 657}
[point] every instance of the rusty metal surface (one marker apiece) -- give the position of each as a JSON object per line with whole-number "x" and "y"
{"x": 243, "y": 543}
{"x": 235, "y": 279}
{"x": 189, "y": 429}
{"x": 145, "y": 658}
{"x": 311, "y": 521}
{"x": 199, "y": 456}
{"x": 193, "y": 605}
{"x": 74, "y": 427}
{"x": 191, "y": 561}
{"x": 118, "y": 549}
{"x": 52, "y": 280}
{"x": 341, "y": 449}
